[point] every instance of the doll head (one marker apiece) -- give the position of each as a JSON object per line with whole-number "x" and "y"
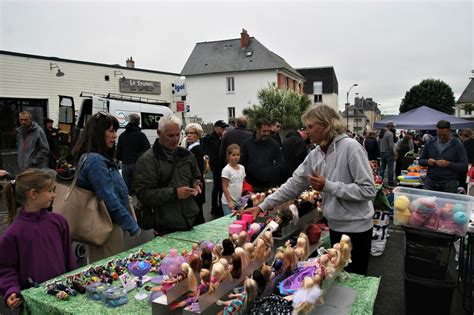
{"x": 325, "y": 264}
{"x": 236, "y": 266}
{"x": 289, "y": 260}
{"x": 205, "y": 276}
{"x": 263, "y": 249}
{"x": 266, "y": 272}
{"x": 216, "y": 253}
{"x": 227, "y": 247}
{"x": 251, "y": 288}
{"x": 243, "y": 256}
{"x": 188, "y": 271}
{"x": 250, "y": 249}
{"x": 345, "y": 248}
{"x": 195, "y": 262}
{"x": 302, "y": 247}
{"x": 242, "y": 238}
{"x": 226, "y": 265}
{"x": 218, "y": 273}
{"x": 268, "y": 238}
{"x": 206, "y": 258}
{"x": 334, "y": 258}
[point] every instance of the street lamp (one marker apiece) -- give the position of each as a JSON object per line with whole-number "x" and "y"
{"x": 347, "y": 104}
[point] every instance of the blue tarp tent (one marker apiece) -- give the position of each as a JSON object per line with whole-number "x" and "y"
{"x": 423, "y": 118}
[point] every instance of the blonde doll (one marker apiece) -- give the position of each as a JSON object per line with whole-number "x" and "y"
{"x": 240, "y": 301}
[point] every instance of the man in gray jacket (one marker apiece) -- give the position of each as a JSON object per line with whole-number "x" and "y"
{"x": 33, "y": 148}
{"x": 339, "y": 168}
{"x": 387, "y": 153}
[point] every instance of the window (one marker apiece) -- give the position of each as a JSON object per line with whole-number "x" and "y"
{"x": 230, "y": 84}
{"x": 468, "y": 111}
{"x": 150, "y": 120}
{"x": 231, "y": 112}
{"x": 318, "y": 98}
{"x": 317, "y": 87}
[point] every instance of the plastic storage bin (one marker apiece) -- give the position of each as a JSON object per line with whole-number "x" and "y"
{"x": 425, "y": 296}
{"x": 432, "y": 210}
{"x": 427, "y": 253}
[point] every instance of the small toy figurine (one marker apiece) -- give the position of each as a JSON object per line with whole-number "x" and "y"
{"x": 250, "y": 249}
{"x": 345, "y": 249}
{"x": 216, "y": 253}
{"x": 240, "y": 301}
{"x": 227, "y": 247}
{"x": 218, "y": 273}
{"x": 206, "y": 257}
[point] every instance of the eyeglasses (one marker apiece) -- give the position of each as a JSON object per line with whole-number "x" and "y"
{"x": 190, "y": 133}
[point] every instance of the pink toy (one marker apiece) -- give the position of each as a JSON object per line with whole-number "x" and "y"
{"x": 235, "y": 229}
{"x": 247, "y": 217}
{"x": 171, "y": 264}
{"x": 417, "y": 218}
{"x": 433, "y": 220}
{"x": 241, "y": 222}
{"x": 427, "y": 205}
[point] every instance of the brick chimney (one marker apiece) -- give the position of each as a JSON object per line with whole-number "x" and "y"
{"x": 244, "y": 39}
{"x": 130, "y": 63}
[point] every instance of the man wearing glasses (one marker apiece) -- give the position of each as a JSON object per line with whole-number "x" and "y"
{"x": 33, "y": 148}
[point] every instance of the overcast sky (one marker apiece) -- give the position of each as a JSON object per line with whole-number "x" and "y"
{"x": 384, "y": 46}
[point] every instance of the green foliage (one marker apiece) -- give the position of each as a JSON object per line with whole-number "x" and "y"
{"x": 283, "y": 105}
{"x": 432, "y": 93}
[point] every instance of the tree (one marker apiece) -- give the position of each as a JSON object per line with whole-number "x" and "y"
{"x": 432, "y": 93}
{"x": 284, "y": 105}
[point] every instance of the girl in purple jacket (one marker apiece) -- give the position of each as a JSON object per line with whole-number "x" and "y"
{"x": 37, "y": 244}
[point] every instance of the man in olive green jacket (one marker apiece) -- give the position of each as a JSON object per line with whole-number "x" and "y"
{"x": 166, "y": 180}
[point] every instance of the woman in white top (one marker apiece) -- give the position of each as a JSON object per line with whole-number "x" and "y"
{"x": 233, "y": 175}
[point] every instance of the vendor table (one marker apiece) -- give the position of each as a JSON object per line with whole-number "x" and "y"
{"x": 38, "y": 302}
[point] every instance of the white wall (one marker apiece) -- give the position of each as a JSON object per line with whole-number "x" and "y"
{"x": 22, "y": 77}
{"x": 208, "y": 97}
{"x": 331, "y": 100}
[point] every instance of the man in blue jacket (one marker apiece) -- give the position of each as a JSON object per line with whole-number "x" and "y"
{"x": 446, "y": 158}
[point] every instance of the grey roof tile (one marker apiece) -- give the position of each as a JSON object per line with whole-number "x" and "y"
{"x": 468, "y": 95}
{"x": 227, "y": 56}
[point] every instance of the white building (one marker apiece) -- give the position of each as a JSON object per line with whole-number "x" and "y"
{"x": 465, "y": 103}
{"x": 223, "y": 77}
{"x": 34, "y": 83}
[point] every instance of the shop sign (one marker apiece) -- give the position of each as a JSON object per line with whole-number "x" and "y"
{"x": 139, "y": 86}
{"x": 180, "y": 106}
{"x": 180, "y": 88}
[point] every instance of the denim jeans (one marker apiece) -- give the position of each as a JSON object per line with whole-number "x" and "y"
{"x": 387, "y": 161}
{"x": 226, "y": 209}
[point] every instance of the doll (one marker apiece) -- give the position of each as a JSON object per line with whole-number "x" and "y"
{"x": 240, "y": 301}
{"x": 250, "y": 249}
{"x": 306, "y": 297}
{"x": 227, "y": 247}
{"x": 243, "y": 257}
{"x": 195, "y": 262}
{"x": 225, "y": 263}
{"x": 326, "y": 267}
{"x": 302, "y": 247}
{"x": 216, "y": 253}
{"x": 206, "y": 258}
{"x": 242, "y": 239}
{"x": 218, "y": 273}
{"x": 345, "y": 249}
{"x": 186, "y": 272}
{"x": 235, "y": 266}
{"x": 263, "y": 250}
{"x": 193, "y": 296}
{"x": 289, "y": 259}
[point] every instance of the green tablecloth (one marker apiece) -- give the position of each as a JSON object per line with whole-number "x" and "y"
{"x": 215, "y": 230}
{"x": 38, "y": 302}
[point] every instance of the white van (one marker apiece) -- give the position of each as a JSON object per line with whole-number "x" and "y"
{"x": 121, "y": 106}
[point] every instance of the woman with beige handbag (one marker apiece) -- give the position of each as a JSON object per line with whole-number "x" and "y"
{"x": 98, "y": 173}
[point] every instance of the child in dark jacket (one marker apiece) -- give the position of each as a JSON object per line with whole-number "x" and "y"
{"x": 37, "y": 245}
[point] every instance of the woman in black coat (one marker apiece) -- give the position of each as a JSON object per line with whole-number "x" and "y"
{"x": 193, "y": 132}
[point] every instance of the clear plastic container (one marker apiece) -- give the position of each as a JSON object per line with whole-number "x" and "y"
{"x": 95, "y": 291}
{"x": 432, "y": 210}
{"x": 114, "y": 297}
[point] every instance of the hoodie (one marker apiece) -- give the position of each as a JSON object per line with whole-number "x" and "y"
{"x": 349, "y": 189}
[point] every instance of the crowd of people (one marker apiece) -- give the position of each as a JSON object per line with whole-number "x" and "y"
{"x": 168, "y": 180}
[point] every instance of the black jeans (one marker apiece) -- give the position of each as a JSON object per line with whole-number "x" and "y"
{"x": 361, "y": 243}
{"x": 216, "y": 195}
{"x": 449, "y": 186}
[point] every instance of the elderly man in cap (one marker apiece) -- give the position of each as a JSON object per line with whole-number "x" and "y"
{"x": 446, "y": 158}
{"x": 212, "y": 145}
{"x": 387, "y": 152}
